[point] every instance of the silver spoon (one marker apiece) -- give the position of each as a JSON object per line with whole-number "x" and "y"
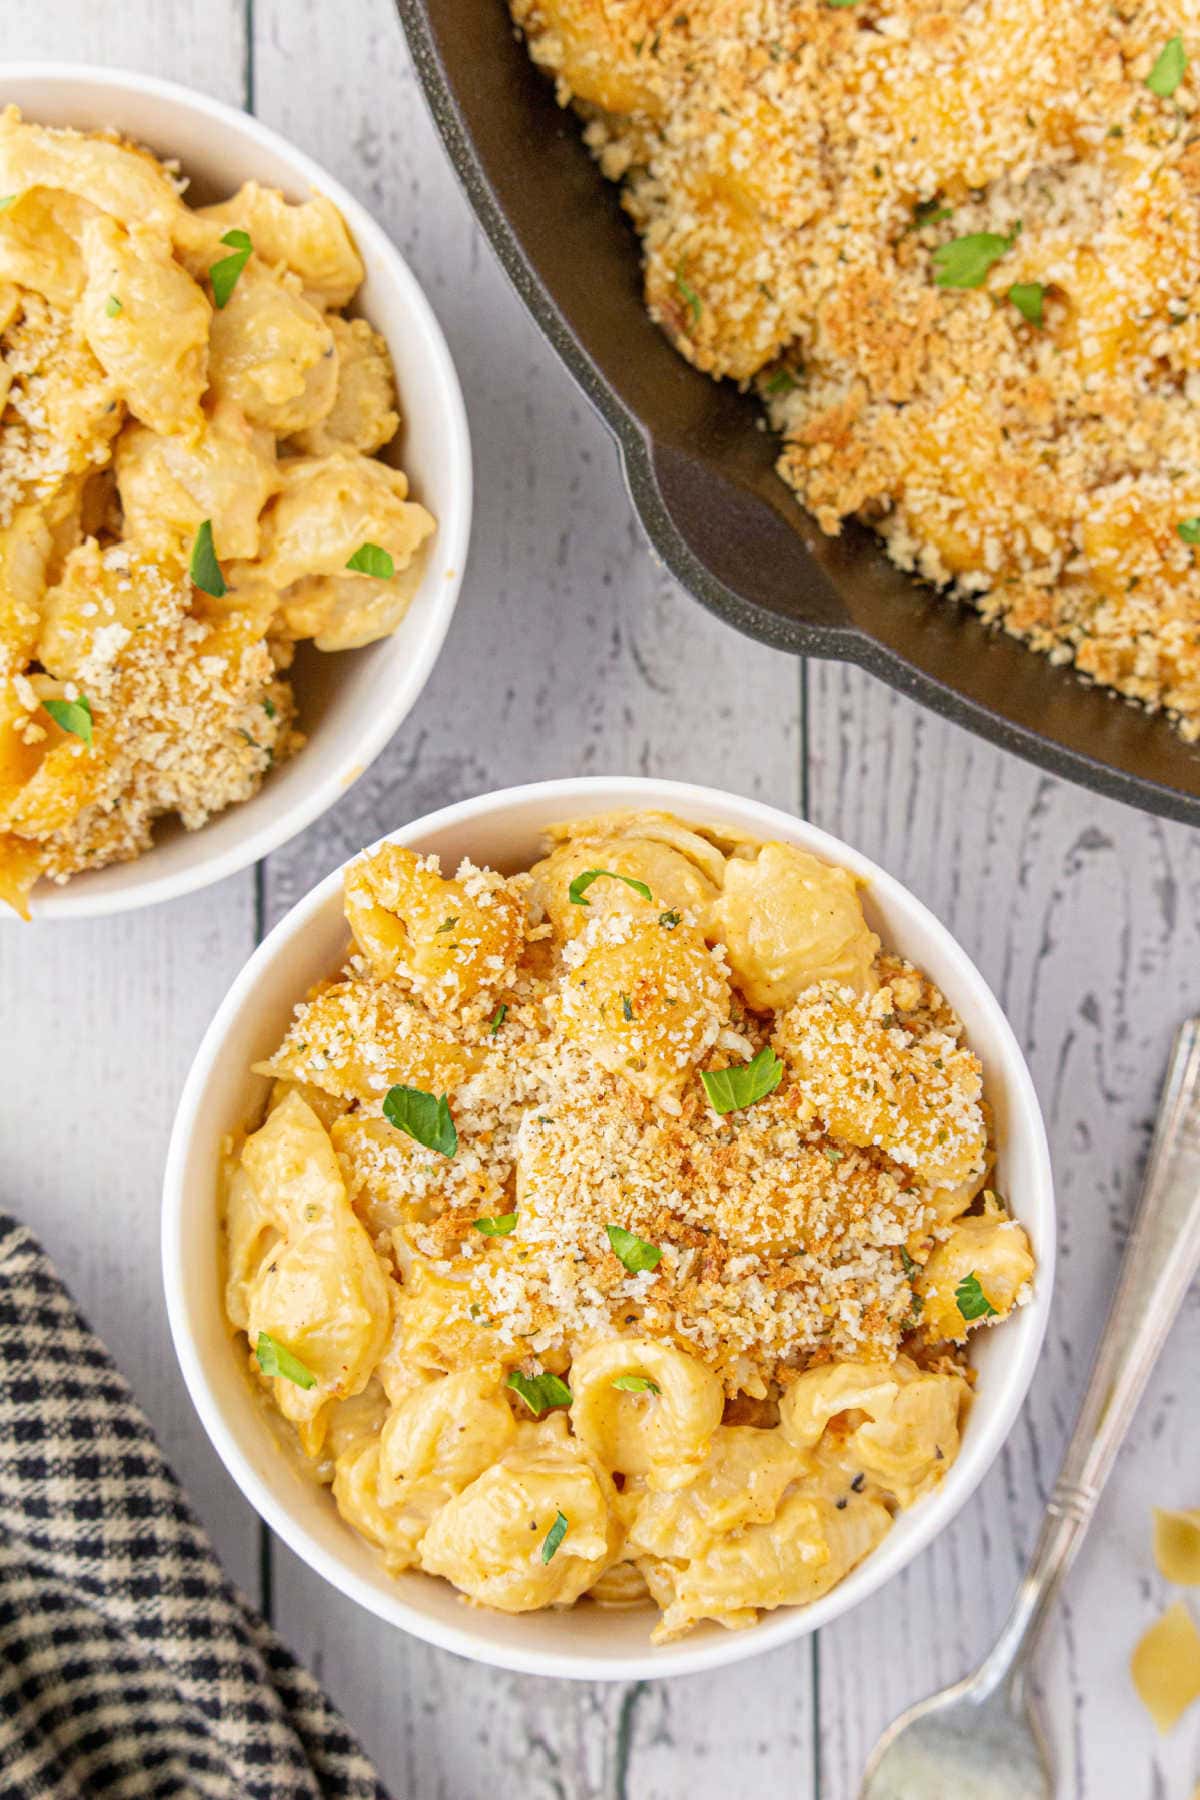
{"x": 981, "y": 1739}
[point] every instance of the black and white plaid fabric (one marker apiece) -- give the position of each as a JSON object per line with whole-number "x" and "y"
{"x": 130, "y": 1668}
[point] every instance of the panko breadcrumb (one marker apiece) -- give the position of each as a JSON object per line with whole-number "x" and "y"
{"x": 188, "y": 485}
{"x": 801, "y": 172}
{"x": 556, "y": 1242}
{"x": 790, "y": 1230}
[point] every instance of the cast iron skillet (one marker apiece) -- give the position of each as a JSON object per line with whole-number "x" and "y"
{"x": 700, "y": 468}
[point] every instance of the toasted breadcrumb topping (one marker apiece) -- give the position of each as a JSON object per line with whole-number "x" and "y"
{"x": 798, "y": 171}
{"x": 188, "y": 473}
{"x": 785, "y": 1239}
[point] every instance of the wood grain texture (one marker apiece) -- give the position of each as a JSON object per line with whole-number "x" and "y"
{"x": 573, "y": 652}
{"x": 1083, "y": 915}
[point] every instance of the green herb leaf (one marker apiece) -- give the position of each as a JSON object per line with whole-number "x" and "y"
{"x": 499, "y": 1226}
{"x": 835, "y": 1156}
{"x": 276, "y": 1359}
{"x": 72, "y": 715}
{"x": 689, "y": 294}
{"x": 1189, "y": 530}
{"x": 1029, "y": 297}
{"x": 839, "y": 4}
{"x": 626, "y": 1007}
{"x": 541, "y": 1392}
{"x": 224, "y": 274}
{"x": 929, "y": 212}
{"x": 784, "y": 380}
{"x": 422, "y": 1116}
{"x": 582, "y": 883}
{"x": 638, "y": 1256}
{"x": 909, "y": 1265}
{"x": 498, "y": 1018}
{"x": 669, "y": 920}
{"x": 636, "y": 1384}
{"x": 270, "y": 708}
{"x": 447, "y": 925}
{"x": 1169, "y": 69}
{"x": 741, "y": 1085}
{"x": 369, "y": 559}
{"x": 112, "y": 306}
{"x": 554, "y": 1536}
{"x": 973, "y": 1303}
{"x": 206, "y": 570}
{"x": 964, "y": 262}
{"x": 7, "y": 200}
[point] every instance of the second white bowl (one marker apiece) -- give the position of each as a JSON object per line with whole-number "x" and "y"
{"x": 504, "y": 829}
{"x": 350, "y": 703}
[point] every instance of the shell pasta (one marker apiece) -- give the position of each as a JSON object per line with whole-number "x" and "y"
{"x": 615, "y": 1229}
{"x": 190, "y": 484}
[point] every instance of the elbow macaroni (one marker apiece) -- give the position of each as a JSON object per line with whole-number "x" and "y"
{"x": 607, "y": 1340}
{"x": 140, "y": 405}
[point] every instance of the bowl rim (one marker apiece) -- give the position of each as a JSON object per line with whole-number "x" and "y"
{"x": 636, "y": 444}
{"x": 74, "y": 900}
{"x": 568, "y": 795}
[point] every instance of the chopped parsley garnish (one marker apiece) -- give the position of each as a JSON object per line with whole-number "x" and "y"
{"x": 784, "y": 379}
{"x": 1189, "y": 530}
{"x": 636, "y": 1384}
{"x": 973, "y": 1303}
{"x": 910, "y": 1266}
{"x": 447, "y": 925}
{"x": 74, "y": 716}
{"x": 669, "y": 920}
{"x": 541, "y": 1392}
{"x": 835, "y": 1156}
{"x": 554, "y": 1536}
{"x": 838, "y": 4}
{"x": 694, "y": 302}
{"x": 224, "y": 274}
{"x": 1029, "y": 299}
{"x": 741, "y": 1085}
{"x": 497, "y": 1019}
{"x": 112, "y": 306}
{"x": 277, "y": 1359}
{"x": 1170, "y": 66}
{"x": 929, "y": 212}
{"x": 7, "y": 200}
{"x": 964, "y": 262}
{"x": 499, "y": 1226}
{"x": 206, "y": 570}
{"x": 270, "y": 708}
{"x": 425, "y": 1117}
{"x": 638, "y": 1256}
{"x": 369, "y": 559}
{"x": 626, "y": 1007}
{"x": 582, "y": 883}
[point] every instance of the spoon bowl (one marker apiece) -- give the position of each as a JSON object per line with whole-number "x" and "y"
{"x": 974, "y": 1741}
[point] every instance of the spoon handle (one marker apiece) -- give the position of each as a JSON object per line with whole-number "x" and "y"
{"x": 1160, "y": 1260}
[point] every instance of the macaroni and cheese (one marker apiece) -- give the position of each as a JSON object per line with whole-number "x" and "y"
{"x": 955, "y": 246}
{"x": 615, "y": 1229}
{"x": 190, "y": 482}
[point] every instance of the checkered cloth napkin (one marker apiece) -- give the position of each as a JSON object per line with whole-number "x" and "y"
{"x": 130, "y": 1668}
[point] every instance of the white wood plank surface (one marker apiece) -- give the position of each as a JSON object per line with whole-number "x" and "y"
{"x": 1083, "y": 916}
{"x": 573, "y": 652}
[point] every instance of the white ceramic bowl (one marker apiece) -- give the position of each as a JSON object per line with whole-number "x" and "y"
{"x": 351, "y": 702}
{"x": 503, "y": 829}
